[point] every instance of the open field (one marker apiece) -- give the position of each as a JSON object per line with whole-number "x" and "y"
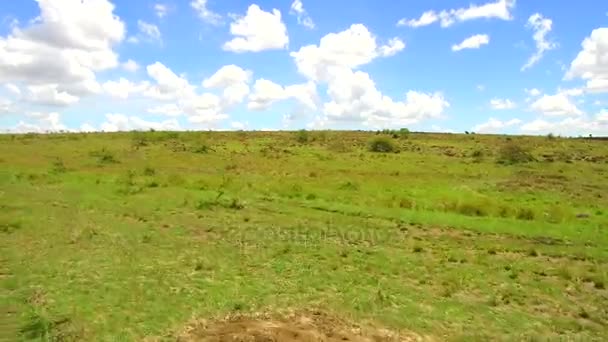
{"x": 122, "y": 236}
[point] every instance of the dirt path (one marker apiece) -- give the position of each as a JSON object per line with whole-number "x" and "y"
{"x": 302, "y": 326}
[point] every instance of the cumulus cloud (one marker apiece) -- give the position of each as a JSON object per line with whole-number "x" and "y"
{"x": 473, "y": 42}
{"x": 49, "y": 95}
{"x": 150, "y": 31}
{"x": 6, "y": 106}
{"x": 130, "y": 66}
{"x": 555, "y": 105}
{"x": 204, "y": 13}
{"x": 266, "y": 92}
{"x": 123, "y": 88}
{"x": 533, "y": 92}
{"x": 353, "y": 95}
{"x": 427, "y": 18}
{"x": 169, "y": 86}
{"x": 161, "y": 10}
{"x": 234, "y": 80}
{"x": 40, "y": 123}
{"x": 501, "y": 104}
{"x": 494, "y": 125}
{"x": 392, "y": 48}
{"x": 501, "y": 9}
{"x": 179, "y": 97}
{"x": 60, "y": 51}
{"x": 582, "y": 125}
{"x": 13, "y": 89}
{"x": 297, "y": 8}
{"x": 258, "y": 30}
{"x": 121, "y": 122}
{"x": 351, "y": 48}
{"x": 170, "y": 109}
{"x": 591, "y": 63}
{"x": 541, "y": 27}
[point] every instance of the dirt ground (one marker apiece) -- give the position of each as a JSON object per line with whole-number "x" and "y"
{"x": 300, "y": 326}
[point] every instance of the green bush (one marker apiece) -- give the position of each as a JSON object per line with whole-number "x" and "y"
{"x": 512, "y": 153}
{"x": 382, "y": 144}
{"x": 302, "y": 136}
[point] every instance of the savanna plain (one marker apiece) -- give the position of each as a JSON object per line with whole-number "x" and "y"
{"x": 441, "y": 237}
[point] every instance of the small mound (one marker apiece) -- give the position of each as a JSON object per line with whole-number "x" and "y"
{"x": 306, "y": 326}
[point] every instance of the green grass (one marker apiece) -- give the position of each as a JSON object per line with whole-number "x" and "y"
{"x": 108, "y": 237}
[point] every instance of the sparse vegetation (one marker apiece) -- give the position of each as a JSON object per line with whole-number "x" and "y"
{"x": 513, "y": 153}
{"x": 124, "y": 236}
{"x": 382, "y": 144}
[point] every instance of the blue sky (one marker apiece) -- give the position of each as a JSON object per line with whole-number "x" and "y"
{"x": 496, "y": 66}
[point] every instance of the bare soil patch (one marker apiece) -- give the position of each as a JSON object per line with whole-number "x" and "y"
{"x": 299, "y": 326}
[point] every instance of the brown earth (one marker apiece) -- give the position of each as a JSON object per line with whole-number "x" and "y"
{"x": 301, "y": 326}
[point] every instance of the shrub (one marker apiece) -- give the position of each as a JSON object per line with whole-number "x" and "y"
{"x": 58, "y": 166}
{"x": 471, "y": 209}
{"x": 302, "y": 136}
{"x": 104, "y": 156}
{"x": 404, "y": 133}
{"x": 148, "y": 171}
{"x": 525, "y": 214}
{"x": 512, "y": 153}
{"x": 201, "y": 148}
{"x": 477, "y": 153}
{"x": 382, "y": 145}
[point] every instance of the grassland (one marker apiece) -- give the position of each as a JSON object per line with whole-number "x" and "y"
{"x": 122, "y": 236}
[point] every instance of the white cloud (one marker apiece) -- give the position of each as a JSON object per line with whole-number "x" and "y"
{"x": 501, "y": 104}
{"x": 266, "y": 92}
{"x": 494, "y": 125}
{"x": 149, "y": 30}
{"x": 86, "y": 127}
{"x": 571, "y": 91}
{"x": 580, "y": 125}
{"x": 591, "y": 63}
{"x": 555, "y": 105}
{"x": 13, "y": 89}
{"x": 169, "y": 85}
{"x": 42, "y": 123}
{"x": 49, "y": 95}
{"x": 63, "y": 47}
{"x": 257, "y": 31}
{"x": 350, "y": 48}
{"x": 480, "y": 87}
{"x": 236, "y": 125}
{"x": 427, "y": 18}
{"x": 130, "y": 66}
{"x": 161, "y": 10}
{"x": 541, "y": 27}
{"x": 205, "y": 14}
{"x": 439, "y": 129}
{"x": 181, "y": 97}
{"x": 6, "y": 106}
{"x": 392, "y": 48}
{"x": 353, "y": 96}
{"x": 170, "y": 109}
{"x": 123, "y": 88}
{"x": 473, "y": 42}
{"x": 602, "y": 116}
{"x": 120, "y": 122}
{"x": 205, "y": 109}
{"x": 533, "y": 92}
{"x": 501, "y": 9}
{"x": 234, "y": 80}
{"x": 297, "y": 8}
